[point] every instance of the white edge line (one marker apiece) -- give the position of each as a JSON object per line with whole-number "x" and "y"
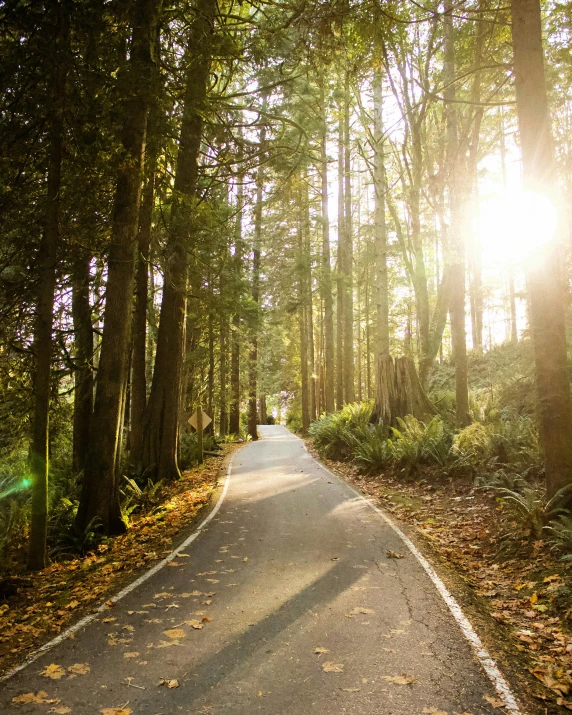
{"x": 86, "y": 620}
{"x": 487, "y": 662}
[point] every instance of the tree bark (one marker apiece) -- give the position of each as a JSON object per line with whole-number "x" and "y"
{"x": 340, "y": 269}
{"x": 83, "y": 357}
{"x": 100, "y": 493}
{"x": 326, "y": 275}
{"x": 161, "y": 435}
{"x": 458, "y": 201}
{"x": 545, "y": 279}
{"x": 139, "y": 350}
{"x": 43, "y": 328}
{"x": 253, "y": 359}
{"x": 234, "y": 417}
{"x": 398, "y": 391}
{"x": 381, "y": 281}
{"x": 348, "y": 364}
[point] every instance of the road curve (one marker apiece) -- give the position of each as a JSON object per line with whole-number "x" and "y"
{"x": 286, "y": 604}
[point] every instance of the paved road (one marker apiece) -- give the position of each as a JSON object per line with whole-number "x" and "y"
{"x": 292, "y": 564}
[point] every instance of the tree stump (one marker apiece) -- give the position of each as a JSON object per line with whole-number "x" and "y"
{"x": 399, "y": 392}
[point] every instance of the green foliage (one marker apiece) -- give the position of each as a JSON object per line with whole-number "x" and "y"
{"x": 509, "y": 439}
{"x": 137, "y": 497}
{"x": 372, "y": 448}
{"x": 73, "y": 543}
{"x": 529, "y": 511}
{"x": 336, "y": 434}
{"x": 189, "y": 450}
{"x": 415, "y": 442}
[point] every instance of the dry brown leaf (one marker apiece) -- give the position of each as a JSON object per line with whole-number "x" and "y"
{"x": 319, "y": 651}
{"x": 495, "y": 702}
{"x": 394, "y": 555}
{"x": 53, "y": 671}
{"x": 133, "y": 654}
{"x": 40, "y": 697}
{"x": 564, "y": 703}
{"x": 197, "y": 625}
{"x": 358, "y": 610}
{"x": 164, "y": 594}
{"x": 116, "y": 711}
{"x": 351, "y": 690}
{"x": 60, "y": 710}
{"x": 79, "y": 669}
{"x": 399, "y": 679}
{"x": 169, "y": 682}
{"x": 175, "y": 633}
{"x": 329, "y": 667}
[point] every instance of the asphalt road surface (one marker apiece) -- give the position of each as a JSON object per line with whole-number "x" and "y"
{"x": 287, "y": 603}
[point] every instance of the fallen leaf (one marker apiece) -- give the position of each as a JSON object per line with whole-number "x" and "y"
{"x": 245, "y": 559}
{"x": 79, "y": 669}
{"x": 53, "y": 671}
{"x": 399, "y": 679}
{"x": 164, "y": 594}
{"x": 329, "y": 667}
{"x": 133, "y": 654}
{"x": 169, "y": 682}
{"x": 40, "y": 697}
{"x": 60, "y": 710}
{"x": 358, "y": 610}
{"x": 394, "y": 555}
{"x": 319, "y": 651}
{"x": 175, "y": 633}
{"x": 116, "y": 711}
{"x": 495, "y": 702}
{"x": 351, "y": 690}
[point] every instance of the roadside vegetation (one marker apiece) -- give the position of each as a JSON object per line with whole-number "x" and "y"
{"x": 477, "y": 498}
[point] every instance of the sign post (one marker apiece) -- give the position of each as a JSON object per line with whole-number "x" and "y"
{"x": 200, "y": 433}
{"x": 199, "y": 420}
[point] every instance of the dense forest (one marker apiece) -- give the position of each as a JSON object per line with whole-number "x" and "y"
{"x": 351, "y": 217}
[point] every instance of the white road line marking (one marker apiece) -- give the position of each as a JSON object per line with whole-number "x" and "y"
{"x": 127, "y": 590}
{"x": 487, "y": 662}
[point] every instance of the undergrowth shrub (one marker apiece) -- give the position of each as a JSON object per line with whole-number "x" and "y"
{"x": 189, "y": 448}
{"x": 507, "y": 440}
{"x": 336, "y": 434}
{"x": 415, "y": 442}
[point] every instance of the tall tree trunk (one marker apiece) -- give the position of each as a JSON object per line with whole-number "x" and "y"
{"x": 100, "y": 494}
{"x": 307, "y": 266}
{"x": 545, "y": 279}
{"x": 223, "y": 376}
{"x": 381, "y": 281}
{"x": 43, "y": 328}
{"x": 348, "y": 366}
{"x": 253, "y": 360}
{"x": 161, "y": 436}
{"x": 340, "y": 269}
{"x": 234, "y": 417}
{"x": 302, "y": 322}
{"x": 139, "y": 350}
{"x": 83, "y": 357}
{"x": 458, "y": 203}
{"x": 326, "y": 275}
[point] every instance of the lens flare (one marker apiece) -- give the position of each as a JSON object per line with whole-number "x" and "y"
{"x": 21, "y": 486}
{"x": 517, "y": 227}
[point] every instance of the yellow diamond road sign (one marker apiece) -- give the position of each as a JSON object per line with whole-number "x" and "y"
{"x": 193, "y": 420}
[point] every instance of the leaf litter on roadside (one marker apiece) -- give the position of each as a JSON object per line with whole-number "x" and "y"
{"x": 399, "y": 679}
{"x": 32, "y": 617}
{"x": 329, "y": 667}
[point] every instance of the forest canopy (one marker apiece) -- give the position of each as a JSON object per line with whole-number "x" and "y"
{"x": 340, "y": 214}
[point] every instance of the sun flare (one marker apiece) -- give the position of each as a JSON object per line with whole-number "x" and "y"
{"x": 517, "y": 226}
